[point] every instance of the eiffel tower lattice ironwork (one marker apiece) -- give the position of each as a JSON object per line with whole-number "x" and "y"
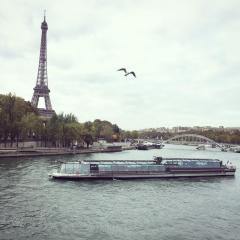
{"x": 41, "y": 89}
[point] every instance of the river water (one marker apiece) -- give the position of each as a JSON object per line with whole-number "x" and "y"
{"x": 34, "y": 207}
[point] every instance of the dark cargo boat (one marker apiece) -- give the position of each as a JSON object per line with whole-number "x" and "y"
{"x": 147, "y": 146}
{"x": 130, "y": 169}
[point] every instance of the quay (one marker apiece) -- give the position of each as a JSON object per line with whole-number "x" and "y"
{"x": 42, "y": 151}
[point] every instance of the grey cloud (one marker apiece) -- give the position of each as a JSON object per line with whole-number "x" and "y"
{"x": 185, "y": 54}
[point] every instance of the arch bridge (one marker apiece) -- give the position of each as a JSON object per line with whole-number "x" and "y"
{"x": 191, "y": 139}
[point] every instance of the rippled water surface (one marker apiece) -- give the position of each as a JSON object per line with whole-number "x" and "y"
{"x": 34, "y": 207}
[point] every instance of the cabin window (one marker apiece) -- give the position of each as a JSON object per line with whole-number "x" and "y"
{"x": 63, "y": 168}
{"x": 76, "y": 168}
{"x": 202, "y": 163}
{"x": 132, "y": 167}
{"x": 85, "y": 168}
{"x": 105, "y": 167}
{"x": 69, "y": 168}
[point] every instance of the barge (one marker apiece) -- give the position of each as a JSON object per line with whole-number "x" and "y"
{"x": 148, "y": 145}
{"x": 142, "y": 169}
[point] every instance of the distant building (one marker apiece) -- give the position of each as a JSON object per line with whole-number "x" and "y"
{"x": 182, "y": 129}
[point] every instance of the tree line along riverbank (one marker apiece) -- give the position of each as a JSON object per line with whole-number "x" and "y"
{"x": 20, "y": 122}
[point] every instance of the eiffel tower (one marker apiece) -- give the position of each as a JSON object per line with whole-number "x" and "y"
{"x": 41, "y": 89}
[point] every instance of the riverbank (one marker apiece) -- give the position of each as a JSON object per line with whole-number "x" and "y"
{"x": 35, "y": 152}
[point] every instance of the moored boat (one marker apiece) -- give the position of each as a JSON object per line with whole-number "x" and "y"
{"x": 142, "y": 147}
{"x": 201, "y": 147}
{"x": 148, "y": 145}
{"x": 132, "y": 169}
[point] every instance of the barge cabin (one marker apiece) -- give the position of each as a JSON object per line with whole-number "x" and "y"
{"x": 131, "y": 169}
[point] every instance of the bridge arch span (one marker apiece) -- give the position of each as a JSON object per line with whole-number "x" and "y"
{"x": 194, "y": 139}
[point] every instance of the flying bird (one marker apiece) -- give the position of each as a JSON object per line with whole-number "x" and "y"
{"x": 123, "y": 69}
{"x": 127, "y": 73}
{"x": 133, "y": 73}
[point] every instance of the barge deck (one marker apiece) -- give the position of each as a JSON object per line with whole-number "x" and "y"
{"x": 142, "y": 169}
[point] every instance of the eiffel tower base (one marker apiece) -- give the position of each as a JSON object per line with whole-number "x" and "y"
{"x": 45, "y": 114}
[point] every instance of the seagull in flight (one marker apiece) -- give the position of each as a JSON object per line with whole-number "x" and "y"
{"x": 127, "y": 73}
{"x": 133, "y": 73}
{"x": 123, "y": 69}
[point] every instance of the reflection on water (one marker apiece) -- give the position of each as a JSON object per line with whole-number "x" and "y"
{"x": 34, "y": 207}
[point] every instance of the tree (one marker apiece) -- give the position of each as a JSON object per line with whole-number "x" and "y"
{"x": 31, "y": 126}
{"x": 107, "y": 132}
{"x": 97, "y": 128}
{"x": 63, "y": 129}
{"x": 13, "y": 109}
{"x": 88, "y": 139}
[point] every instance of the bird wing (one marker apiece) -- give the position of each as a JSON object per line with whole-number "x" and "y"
{"x": 123, "y": 69}
{"x": 133, "y": 73}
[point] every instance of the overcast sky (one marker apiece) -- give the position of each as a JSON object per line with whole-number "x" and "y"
{"x": 185, "y": 55}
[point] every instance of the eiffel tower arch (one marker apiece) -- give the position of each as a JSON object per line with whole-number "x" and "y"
{"x": 41, "y": 89}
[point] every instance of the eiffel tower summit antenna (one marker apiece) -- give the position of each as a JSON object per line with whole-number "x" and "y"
{"x": 41, "y": 89}
{"x": 44, "y": 15}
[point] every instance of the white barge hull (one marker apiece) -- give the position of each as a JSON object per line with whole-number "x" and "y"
{"x": 140, "y": 176}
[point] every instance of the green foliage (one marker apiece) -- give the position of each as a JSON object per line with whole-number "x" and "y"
{"x": 63, "y": 130}
{"x": 19, "y": 121}
{"x": 12, "y": 112}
